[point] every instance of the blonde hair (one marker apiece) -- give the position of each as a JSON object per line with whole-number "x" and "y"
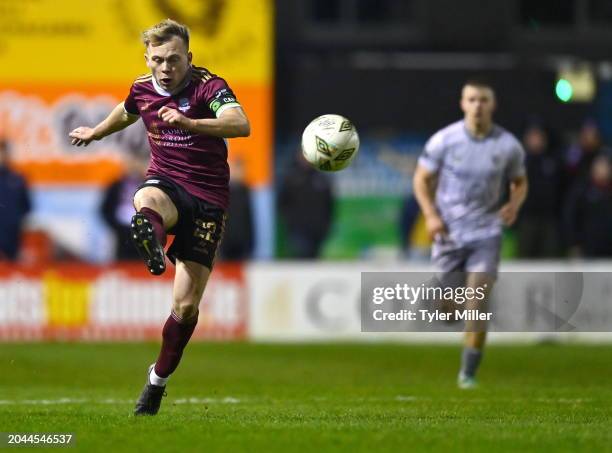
{"x": 164, "y": 31}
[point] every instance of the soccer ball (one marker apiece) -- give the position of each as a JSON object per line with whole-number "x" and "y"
{"x": 330, "y": 143}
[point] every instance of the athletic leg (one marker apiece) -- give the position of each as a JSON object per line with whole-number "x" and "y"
{"x": 475, "y": 331}
{"x": 189, "y": 283}
{"x": 481, "y": 266}
{"x": 155, "y": 214}
{"x": 158, "y": 201}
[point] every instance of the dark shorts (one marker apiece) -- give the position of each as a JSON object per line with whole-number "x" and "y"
{"x": 478, "y": 256}
{"x": 200, "y": 224}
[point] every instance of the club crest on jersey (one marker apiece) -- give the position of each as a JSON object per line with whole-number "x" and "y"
{"x": 183, "y": 104}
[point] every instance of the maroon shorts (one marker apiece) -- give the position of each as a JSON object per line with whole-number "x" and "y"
{"x": 199, "y": 229}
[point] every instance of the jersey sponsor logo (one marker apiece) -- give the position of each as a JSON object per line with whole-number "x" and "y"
{"x": 183, "y": 104}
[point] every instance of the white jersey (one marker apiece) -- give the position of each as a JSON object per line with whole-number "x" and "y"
{"x": 473, "y": 175}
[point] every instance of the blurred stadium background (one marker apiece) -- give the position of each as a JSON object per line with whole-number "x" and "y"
{"x": 394, "y": 67}
{"x": 297, "y": 240}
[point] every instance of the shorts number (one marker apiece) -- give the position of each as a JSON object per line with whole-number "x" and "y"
{"x": 205, "y": 230}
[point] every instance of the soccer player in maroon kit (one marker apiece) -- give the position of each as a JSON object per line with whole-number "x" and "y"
{"x": 188, "y": 113}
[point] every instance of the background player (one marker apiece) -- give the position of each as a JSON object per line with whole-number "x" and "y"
{"x": 461, "y": 177}
{"x": 188, "y": 113}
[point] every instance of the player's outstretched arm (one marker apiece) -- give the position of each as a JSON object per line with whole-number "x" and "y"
{"x": 423, "y": 184}
{"x": 232, "y": 123}
{"x": 118, "y": 119}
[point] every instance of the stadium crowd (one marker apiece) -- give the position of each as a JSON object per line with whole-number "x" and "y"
{"x": 568, "y": 211}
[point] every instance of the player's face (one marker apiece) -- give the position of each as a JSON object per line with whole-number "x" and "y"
{"x": 169, "y": 62}
{"x": 478, "y": 103}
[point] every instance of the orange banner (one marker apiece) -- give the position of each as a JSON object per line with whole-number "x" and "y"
{"x": 38, "y": 125}
{"x": 43, "y": 98}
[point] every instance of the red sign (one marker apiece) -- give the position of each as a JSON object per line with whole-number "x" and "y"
{"x": 111, "y": 303}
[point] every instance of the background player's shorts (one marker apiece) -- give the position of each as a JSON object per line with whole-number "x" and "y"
{"x": 199, "y": 229}
{"x": 478, "y": 256}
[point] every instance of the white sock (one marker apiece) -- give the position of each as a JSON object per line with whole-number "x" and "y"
{"x": 154, "y": 379}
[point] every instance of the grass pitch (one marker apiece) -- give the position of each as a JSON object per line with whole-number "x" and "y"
{"x": 323, "y": 397}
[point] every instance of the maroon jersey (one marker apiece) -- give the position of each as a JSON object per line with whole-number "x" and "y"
{"x": 196, "y": 162}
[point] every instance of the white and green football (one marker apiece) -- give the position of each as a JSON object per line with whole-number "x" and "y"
{"x": 330, "y": 142}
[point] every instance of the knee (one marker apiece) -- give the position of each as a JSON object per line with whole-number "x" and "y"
{"x": 187, "y": 307}
{"x": 144, "y": 199}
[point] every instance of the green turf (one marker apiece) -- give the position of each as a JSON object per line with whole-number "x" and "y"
{"x": 317, "y": 398}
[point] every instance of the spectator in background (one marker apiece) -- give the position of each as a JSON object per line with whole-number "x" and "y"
{"x": 237, "y": 243}
{"x": 14, "y": 206}
{"x": 117, "y": 206}
{"x": 305, "y": 205}
{"x": 414, "y": 238}
{"x": 588, "y": 213}
{"x": 538, "y": 225}
{"x": 580, "y": 156}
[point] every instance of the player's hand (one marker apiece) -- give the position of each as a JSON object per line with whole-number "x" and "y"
{"x": 435, "y": 226}
{"x": 508, "y": 213}
{"x": 82, "y": 136}
{"x": 173, "y": 116}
